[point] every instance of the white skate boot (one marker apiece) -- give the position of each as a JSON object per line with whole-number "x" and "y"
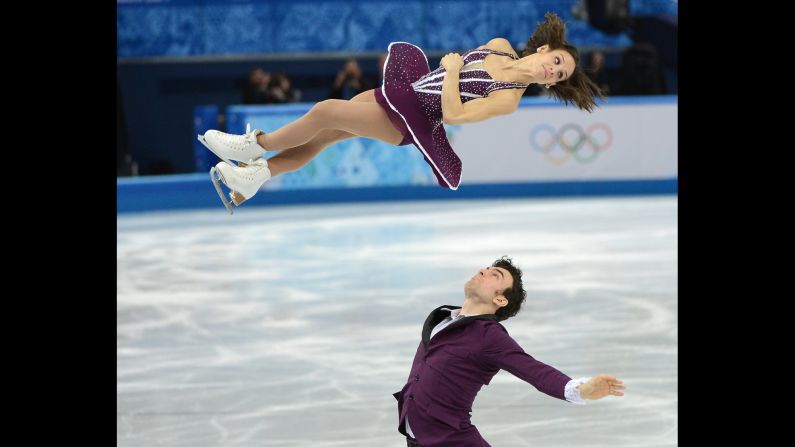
{"x": 230, "y": 147}
{"x": 244, "y": 180}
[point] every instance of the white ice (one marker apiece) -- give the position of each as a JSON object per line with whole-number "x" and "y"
{"x": 292, "y": 326}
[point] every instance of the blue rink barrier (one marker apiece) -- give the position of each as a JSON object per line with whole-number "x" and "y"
{"x": 195, "y": 191}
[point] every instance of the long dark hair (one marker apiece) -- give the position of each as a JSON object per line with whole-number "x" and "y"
{"x": 578, "y": 88}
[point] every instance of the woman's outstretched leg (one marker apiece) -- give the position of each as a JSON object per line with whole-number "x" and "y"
{"x": 294, "y": 158}
{"x": 326, "y": 123}
{"x": 362, "y": 117}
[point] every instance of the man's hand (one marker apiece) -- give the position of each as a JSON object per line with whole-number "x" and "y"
{"x": 601, "y": 386}
{"x": 452, "y": 62}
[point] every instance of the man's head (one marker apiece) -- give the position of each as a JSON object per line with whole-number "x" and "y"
{"x": 499, "y": 287}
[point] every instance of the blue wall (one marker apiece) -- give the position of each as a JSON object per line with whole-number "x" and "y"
{"x": 215, "y": 27}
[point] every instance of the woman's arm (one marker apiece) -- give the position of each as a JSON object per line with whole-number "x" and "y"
{"x": 500, "y": 102}
{"x": 451, "y": 98}
{"x": 499, "y": 44}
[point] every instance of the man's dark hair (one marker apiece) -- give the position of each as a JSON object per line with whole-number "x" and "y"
{"x": 515, "y": 294}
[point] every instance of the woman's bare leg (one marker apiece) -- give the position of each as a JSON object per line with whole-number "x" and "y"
{"x": 294, "y": 158}
{"x": 361, "y": 116}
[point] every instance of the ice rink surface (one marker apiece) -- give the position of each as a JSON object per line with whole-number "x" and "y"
{"x": 293, "y": 326}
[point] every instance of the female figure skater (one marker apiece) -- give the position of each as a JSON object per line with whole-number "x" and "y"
{"x": 410, "y": 107}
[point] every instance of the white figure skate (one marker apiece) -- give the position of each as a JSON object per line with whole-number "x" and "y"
{"x": 244, "y": 181}
{"x": 230, "y": 147}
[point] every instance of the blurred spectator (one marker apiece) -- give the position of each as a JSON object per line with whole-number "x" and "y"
{"x": 125, "y": 165}
{"x": 380, "y": 73}
{"x": 256, "y": 91}
{"x": 281, "y": 90}
{"x": 640, "y": 71}
{"x": 597, "y": 71}
{"x": 159, "y": 166}
{"x": 377, "y": 79}
{"x": 349, "y": 81}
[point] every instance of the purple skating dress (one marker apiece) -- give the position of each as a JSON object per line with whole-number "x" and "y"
{"x": 411, "y": 95}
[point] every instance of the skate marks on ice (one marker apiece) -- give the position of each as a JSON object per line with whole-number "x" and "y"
{"x": 293, "y": 325}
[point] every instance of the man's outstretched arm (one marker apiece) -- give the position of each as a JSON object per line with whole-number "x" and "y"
{"x": 501, "y": 351}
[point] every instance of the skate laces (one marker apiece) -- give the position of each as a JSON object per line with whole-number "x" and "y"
{"x": 248, "y": 133}
{"x": 251, "y": 171}
{"x": 240, "y": 141}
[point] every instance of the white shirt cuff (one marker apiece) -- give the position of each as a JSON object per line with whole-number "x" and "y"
{"x": 571, "y": 392}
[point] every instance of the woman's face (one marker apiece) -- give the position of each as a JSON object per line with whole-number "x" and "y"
{"x": 554, "y": 65}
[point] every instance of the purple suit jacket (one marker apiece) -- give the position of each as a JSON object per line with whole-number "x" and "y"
{"x": 449, "y": 370}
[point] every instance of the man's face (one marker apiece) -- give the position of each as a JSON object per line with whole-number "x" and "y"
{"x": 488, "y": 283}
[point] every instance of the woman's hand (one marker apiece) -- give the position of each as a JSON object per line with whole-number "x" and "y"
{"x": 452, "y": 62}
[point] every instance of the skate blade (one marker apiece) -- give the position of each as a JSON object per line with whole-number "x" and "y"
{"x": 215, "y": 180}
{"x": 237, "y": 198}
{"x": 204, "y": 142}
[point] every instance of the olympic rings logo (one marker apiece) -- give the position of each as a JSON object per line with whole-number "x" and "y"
{"x": 571, "y": 141}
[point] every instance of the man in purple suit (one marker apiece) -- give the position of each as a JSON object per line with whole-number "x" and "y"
{"x": 462, "y": 348}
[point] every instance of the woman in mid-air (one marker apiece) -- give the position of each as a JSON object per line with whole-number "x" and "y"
{"x": 410, "y": 107}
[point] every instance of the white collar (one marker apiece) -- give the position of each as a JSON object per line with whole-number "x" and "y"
{"x": 456, "y": 313}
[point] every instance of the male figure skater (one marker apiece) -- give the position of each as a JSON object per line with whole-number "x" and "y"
{"x": 462, "y": 348}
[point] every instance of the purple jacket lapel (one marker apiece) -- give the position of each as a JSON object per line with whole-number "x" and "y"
{"x": 442, "y": 312}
